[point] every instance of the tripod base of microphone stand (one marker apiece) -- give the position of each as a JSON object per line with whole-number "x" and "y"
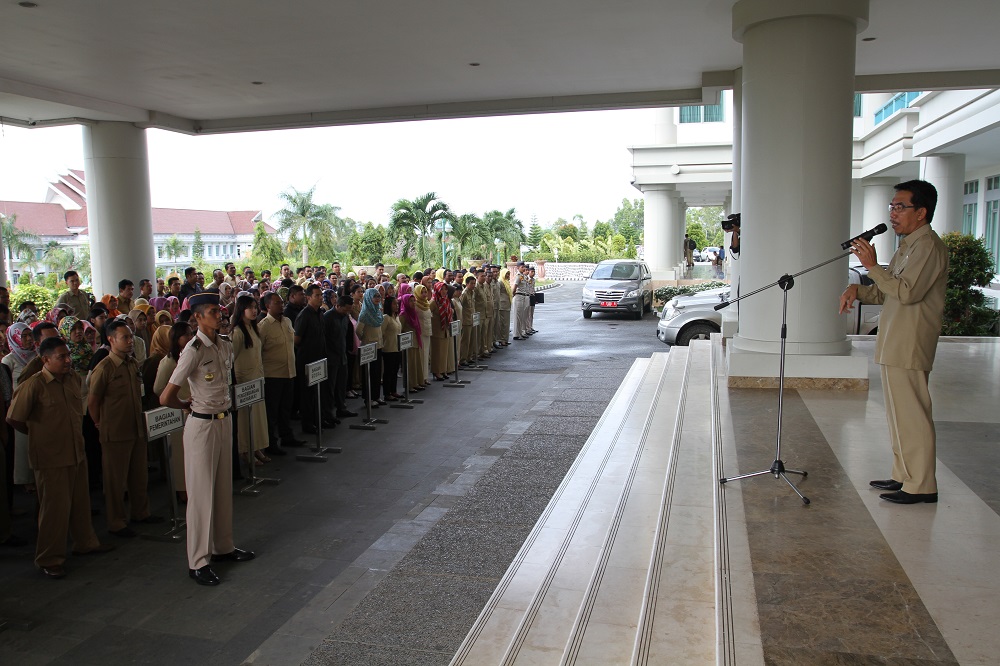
{"x": 779, "y": 472}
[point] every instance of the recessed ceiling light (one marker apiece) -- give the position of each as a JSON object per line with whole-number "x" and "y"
{"x": 473, "y": 64}
{"x": 28, "y": 5}
{"x": 257, "y": 83}
{"x": 868, "y": 39}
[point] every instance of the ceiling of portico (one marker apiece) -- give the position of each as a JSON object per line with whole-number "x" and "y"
{"x": 191, "y": 65}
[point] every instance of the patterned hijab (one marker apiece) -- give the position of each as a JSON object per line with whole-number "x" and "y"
{"x": 505, "y": 281}
{"x": 444, "y": 305}
{"x": 16, "y": 333}
{"x": 371, "y": 312}
{"x": 408, "y": 311}
{"x": 80, "y": 352}
{"x": 420, "y": 297}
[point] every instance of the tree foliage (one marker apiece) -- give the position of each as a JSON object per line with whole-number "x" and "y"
{"x": 174, "y": 248}
{"x": 710, "y": 219}
{"x": 413, "y": 221}
{"x": 17, "y": 242}
{"x": 970, "y": 265}
{"x": 266, "y": 248}
{"x": 197, "y": 245}
{"x": 697, "y": 234}
{"x": 309, "y": 225}
{"x": 535, "y": 235}
{"x": 370, "y": 246}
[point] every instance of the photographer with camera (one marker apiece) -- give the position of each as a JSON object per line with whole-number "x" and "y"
{"x": 732, "y": 225}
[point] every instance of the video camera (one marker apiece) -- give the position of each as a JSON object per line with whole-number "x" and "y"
{"x": 730, "y": 223}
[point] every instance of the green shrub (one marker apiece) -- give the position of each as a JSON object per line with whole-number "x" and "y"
{"x": 42, "y": 297}
{"x": 970, "y": 265}
{"x": 667, "y": 294}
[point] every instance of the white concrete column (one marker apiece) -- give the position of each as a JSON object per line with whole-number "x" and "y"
{"x": 736, "y": 205}
{"x": 680, "y": 211}
{"x": 3, "y": 266}
{"x": 878, "y": 193}
{"x": 118, "y": 206}
{"x": 658, "y": 232}
{"x": 665, "y": 127}
{"x": 947, "y": 174}
{"x": 798, "y": 87}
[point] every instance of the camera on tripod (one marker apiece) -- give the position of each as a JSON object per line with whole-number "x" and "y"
{"x": 731, "y": 222}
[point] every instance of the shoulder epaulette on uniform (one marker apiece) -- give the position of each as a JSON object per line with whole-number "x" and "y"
{"x": 196, "y": 342}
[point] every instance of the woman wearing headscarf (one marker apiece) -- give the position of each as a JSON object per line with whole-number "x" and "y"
{"x": 226, "y": 299}
{"x": 441, "y": 317}
{"x": 506, "y": 295}
{"x": 22, "y": 350}
{"x": 147, "y": 310}
{"x": 421, "y": 298}
{"x": 141, "y": 324}
{"x": 248, "y": 365}
{"x": 179, "y": 335}
{"x": 71, "y": 330}
{"x": 409, "y": 322}
{"x": 158, "y": 303}
{"x": 111, "y": 302}
{"x": 391, "y": 356}
{"x": 57, "y": 313}
{"x": 369, "y": 330}
{"x": 173, "y": 307}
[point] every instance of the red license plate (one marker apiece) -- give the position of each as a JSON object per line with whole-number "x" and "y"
{"x": 609, "y": 304}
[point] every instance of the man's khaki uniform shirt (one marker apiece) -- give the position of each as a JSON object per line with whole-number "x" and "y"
{"x": 277, "y": 347}
{"x": 80, "y": 303}
{"x": 125, "y": 305}
{"x": 207, "y": 369}
{"x": 52, "y": 407}
{"x": 911, "y": 292}
{"x": 118, "y": 381}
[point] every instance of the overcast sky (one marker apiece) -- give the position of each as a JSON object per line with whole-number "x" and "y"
{"x": 553, "y": 165}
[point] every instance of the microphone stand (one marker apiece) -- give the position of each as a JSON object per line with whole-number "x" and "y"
{"x": 778, "y": 468}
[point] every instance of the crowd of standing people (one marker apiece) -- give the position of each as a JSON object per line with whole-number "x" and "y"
{"x": 75, "y": 383}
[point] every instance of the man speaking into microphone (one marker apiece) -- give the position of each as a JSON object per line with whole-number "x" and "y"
{"x": 911, "y": 292}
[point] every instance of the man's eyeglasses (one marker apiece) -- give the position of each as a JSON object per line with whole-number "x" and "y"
{"x": 899, "y": 208}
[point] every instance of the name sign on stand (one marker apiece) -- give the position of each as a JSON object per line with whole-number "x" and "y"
{"x": 405, "y": 341}
{"x": 248, "y": 393}
{"x": 456, "y": 328}
{"x": 369, "y": 353}
{"x": 315, "y": 372}
{"x": 163, "y": 421}
{"x": 475, "y": 319}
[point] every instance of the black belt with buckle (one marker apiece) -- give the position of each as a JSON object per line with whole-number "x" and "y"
{"x": 220, "y": 415}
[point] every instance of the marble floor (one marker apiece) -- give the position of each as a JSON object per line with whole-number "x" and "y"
{"x": 850, "y": 578}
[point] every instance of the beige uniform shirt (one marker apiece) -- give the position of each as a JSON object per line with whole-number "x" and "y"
{"x": 911, "y": 292}
{"x": 117, "y": 382}
{"x": 80, "y": 303}
{"x": 278, "y": 347}
{"x": 53, "y": 410}
{"x": 207, "y": 369}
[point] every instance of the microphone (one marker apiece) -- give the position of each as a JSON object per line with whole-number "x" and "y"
{"x": 868, "y": 235}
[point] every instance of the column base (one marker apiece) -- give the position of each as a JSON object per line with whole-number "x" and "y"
{"x": 841, "y": 372}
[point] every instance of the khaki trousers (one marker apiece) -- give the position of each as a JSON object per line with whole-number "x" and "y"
{"x": 486, "y": 335}
{"x": 465, "y": 343}
{"x": 911, "y": 428}
{"x": 63, "y": 506}
{"x": 124, "y": 465}
{"x": 208, "y": 468}
{"x": 503, "y": 326}
{"x": 521, "y": 308}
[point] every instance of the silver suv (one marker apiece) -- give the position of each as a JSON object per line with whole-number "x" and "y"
{"x": 618, "y": 285}
{"x": 694, "y": 317}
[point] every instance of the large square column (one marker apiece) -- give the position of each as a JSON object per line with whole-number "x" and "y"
{"x": 119, "y": 214}
{"x": 660, "y": 231}
{"x": 797, "y": 93}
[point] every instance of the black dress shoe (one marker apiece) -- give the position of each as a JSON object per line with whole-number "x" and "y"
{"x": 517, "y": 337}
{"x": 886, "y": 484}
{"x": 331, "y": 423}
{"x": 99, "y": 550}
{"x": 13, "y": 541}
{"x": 150, "y": 520}
{"x": 237, "y": 555}
{"x": 125, "y": 532}
{"x": 275, "y": 451}
{"x": 346, "y": 413}
{"x": 308, "y": 430}
{"x": 54, "y": 572}
{"x": 900, "y": 497}
{"x": 204, "y": 576}
{"x": 293, "y": 443}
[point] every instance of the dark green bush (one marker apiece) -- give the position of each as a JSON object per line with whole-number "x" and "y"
{"x": 970, "y": 265}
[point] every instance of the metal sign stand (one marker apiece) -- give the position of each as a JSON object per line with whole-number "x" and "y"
{"x": 369, "y": 353}
{"x": 405, "y": 344}
{"x": 315, "y": 374}
{"x": 456, "y": 330}
{"x": 245, "y": 395}
{"x": 159, "y": 424}
{"x": 475, "y": 346}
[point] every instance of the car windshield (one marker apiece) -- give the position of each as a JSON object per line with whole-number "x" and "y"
{"x": 616, "y": 272}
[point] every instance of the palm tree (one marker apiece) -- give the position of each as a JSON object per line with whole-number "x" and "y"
{"x": 315, "y": 223}
{"x": 465, "y": 234}
{"x": 413, "y": 221}
{"x": 501, "y": 230}
{"x": 174, "y": 248}
{"x": 18, "y": 243}
{"x": 56, "y": 258}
